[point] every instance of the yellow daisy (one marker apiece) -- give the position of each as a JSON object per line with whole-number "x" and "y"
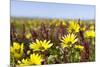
{"x": 40, "y": 45}
{"x": 35, "y": 59}
{"x": 73, "y": 27}
{"x": 17, "y": 50}
{"x": 69, "y": 40}
{"x": 23, "y": 62}
{"x": 89, "y": 34}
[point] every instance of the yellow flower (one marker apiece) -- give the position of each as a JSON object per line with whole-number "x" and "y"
{"x": 46, "y": 44}
{"x": 80, "y": 47}
{"x": 83, "y": 28}
{"x": 89, "y": 34}
{"x": 28, "y": 35}
{"x": 40, "y": 45}
{"x": 69, "y": 40}
{"x": 16, "y": 45}
{"x": 35, "y": 59}
{"x": 35, "y": 45}
{"x": 17, "y": 50}
{"x": 73, "y": 27}
{"x": 92, "y": 27}
{"x": 23, "y": 62}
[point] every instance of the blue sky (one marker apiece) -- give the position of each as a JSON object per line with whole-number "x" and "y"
{"x": 51, "y": 10}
